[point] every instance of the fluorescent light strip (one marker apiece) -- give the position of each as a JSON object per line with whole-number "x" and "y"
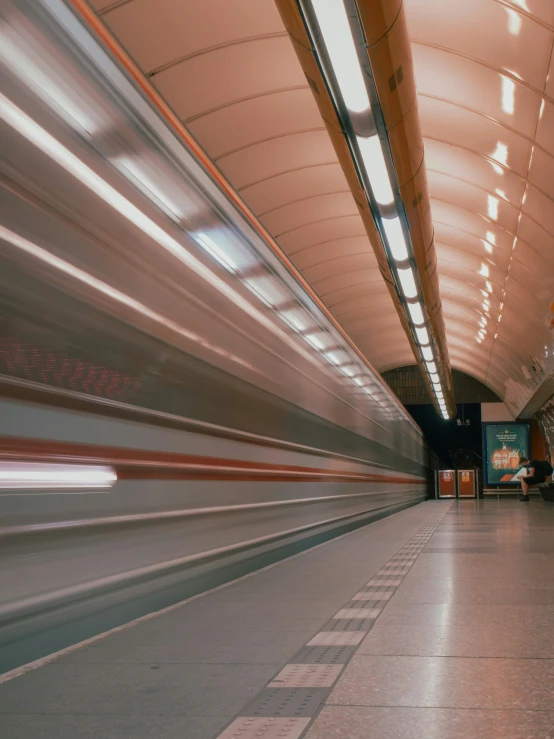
{"x": 376, "y": 169}
{"x": 337, "y": 35}
{"x": 407, "y": 281}
{"x": 335, "y": 29}
{"x": 422, "y": 335}
{"x": 416, "y": 313}
{"x": 395, "y": 237}
{"x": 427, "y": 353}
{"x": 40, "y": 476}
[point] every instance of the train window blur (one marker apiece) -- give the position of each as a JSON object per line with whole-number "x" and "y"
{"x": 268, "y": 290}
{"x": 337, "y": 357}
{"x": 350, "y": 370}
{"x": 320, "y": 340}
{"x": 227, "y": 250}
{"x": 147, "y": 182}
{"x": 298, "y": 319}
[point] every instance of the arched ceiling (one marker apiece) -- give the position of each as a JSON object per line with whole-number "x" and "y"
{"x": 485, "y": 77}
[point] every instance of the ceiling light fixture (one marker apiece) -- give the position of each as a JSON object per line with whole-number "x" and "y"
{"x": 422, "y": 336}
{"x": 335, "y": 29}
{"x": 395, "y": 237}
{"x": 407, "y": 282}
{"x": 376, "y": 169}
{"x": 337, "y": 35}
{"x": 416, "y": 313}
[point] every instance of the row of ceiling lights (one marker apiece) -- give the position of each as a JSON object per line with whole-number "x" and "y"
{"x": 371, "y": 152}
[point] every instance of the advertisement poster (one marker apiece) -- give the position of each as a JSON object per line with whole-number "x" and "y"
{"x": 503, "y": 446}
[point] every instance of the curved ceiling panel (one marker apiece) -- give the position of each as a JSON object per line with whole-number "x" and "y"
{"x": 228, "y": 70}
{"x": 235, "y": 126}
{"x": 474, "y": 131}
{"x": 298, "y": 183}
{"x": 484, "y": 73}
{"x": 485, "y": 79}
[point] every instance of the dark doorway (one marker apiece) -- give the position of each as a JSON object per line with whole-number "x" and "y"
{"x": 458, "y": 442}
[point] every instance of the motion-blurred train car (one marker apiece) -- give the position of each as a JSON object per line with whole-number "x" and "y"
{"x": 177, "y": 407}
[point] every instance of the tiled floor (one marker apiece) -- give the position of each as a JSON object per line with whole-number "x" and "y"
{"x": 437, "y": 623}
{"x": 465, "y": 647}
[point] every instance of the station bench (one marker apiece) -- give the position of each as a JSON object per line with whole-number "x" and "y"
{"x": 546, "y": 490}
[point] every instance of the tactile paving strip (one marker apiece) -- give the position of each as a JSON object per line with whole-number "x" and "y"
{"x": 384, "y": 581}
{"x": 351, "y": 624}
{"x": 287, "y": 705}
{"x": 265, "y": 728}
{"x": 324, "y": 655}
{"x": 373, "y": 596}
{"x": 395, "y": 570}
{"x": 337, "y": 638}
{"x": 358, "y": 613}
{"x": 290, "y": 702}
{"x": 306, "y": 676}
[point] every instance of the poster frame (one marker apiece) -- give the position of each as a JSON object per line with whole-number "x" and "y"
{"x": 485, "y": 425}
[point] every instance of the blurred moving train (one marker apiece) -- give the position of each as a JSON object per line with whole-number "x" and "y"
{"x": 177, "y": 407}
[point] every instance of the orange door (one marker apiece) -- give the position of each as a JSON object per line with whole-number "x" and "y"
{"x": 447, "y": 484}
{"x": 466, "y": 483}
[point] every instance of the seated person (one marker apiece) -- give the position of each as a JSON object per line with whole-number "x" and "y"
{"x": 538, "y": 470}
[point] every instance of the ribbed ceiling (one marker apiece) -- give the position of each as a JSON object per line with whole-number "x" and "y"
{"x": 485, "y": 77}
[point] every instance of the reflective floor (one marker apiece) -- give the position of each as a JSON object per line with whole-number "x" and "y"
{"x": 437, "y": 622}
{"x": 465, "y": 648}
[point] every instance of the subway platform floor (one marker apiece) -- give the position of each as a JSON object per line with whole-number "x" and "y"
{"x": 437, "y": 622}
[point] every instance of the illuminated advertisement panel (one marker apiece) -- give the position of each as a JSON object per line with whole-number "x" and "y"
{"x": 503, "y": 444}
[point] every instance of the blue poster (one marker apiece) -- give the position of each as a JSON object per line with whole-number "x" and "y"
{"x": 504, "y": 444}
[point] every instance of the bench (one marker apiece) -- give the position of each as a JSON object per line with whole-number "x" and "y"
{"x": 545, "y": 489}
{"x": 508, "y": 492}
